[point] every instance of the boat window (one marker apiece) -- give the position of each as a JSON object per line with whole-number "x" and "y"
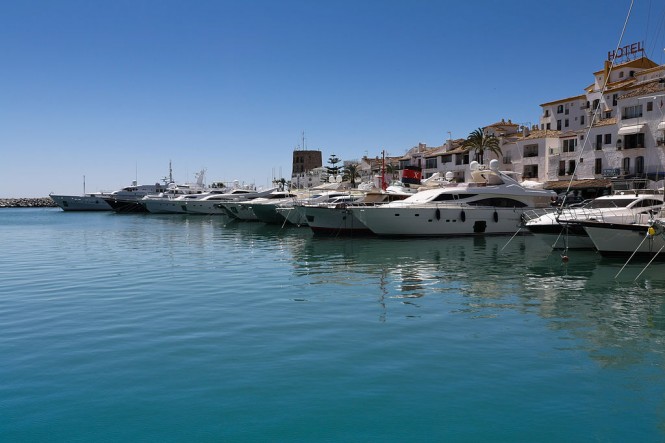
{"x": 499, "y": 202}
{"x": 610, "y": 203}
{"x": 648, "y": 202}
{"x": 446, "y": 197}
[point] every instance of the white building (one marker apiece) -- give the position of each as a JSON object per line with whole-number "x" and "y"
{"x": 615, "y": 129}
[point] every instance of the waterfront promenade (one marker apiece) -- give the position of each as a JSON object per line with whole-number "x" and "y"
{"x": 43, "y": 202}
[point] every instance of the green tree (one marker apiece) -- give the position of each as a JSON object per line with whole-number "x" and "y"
{"x": 391, "y": 170}
{"x": 333, "y": 169}
{"x": 479, "y": 142}
{"x": 351, "y": 172}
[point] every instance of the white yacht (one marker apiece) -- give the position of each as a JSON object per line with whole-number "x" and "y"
{"x": 210, "y": 204}
{"x": 337, "y": 219}
{"x": 560, "y": 229}
{"x": 87, "y": 202}
{"x": 244, "y": 210}
{"x": 491, "y": 203}
{"x": 295, "y": 214}
{"x": 644, "y": 239}
{"x": 171, "y": 200}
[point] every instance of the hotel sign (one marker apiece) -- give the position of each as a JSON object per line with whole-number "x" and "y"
{"x": 626, "y": 51}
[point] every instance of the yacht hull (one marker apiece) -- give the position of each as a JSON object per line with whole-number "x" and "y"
{"x": 433, "y": 221}
{"x": 81, "y": 202}
{"x": 624, "y": 240}
{"x": 328, "y": 220}
{"x": 561, "y": 236}
{"x": 126, "y": 206}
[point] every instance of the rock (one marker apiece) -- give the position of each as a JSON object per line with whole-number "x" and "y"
{"x": 43, "y": 202}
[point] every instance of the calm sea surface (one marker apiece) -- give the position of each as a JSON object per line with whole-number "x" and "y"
{"x": 193, "y": 329}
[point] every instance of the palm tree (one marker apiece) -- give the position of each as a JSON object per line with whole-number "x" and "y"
{"x": 391, "y": 169}
{"x": 350, "y": 173}
{"x": 479, "y": 142}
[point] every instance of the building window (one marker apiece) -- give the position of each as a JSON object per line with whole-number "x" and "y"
{"x": 549, "y": 126}
{"x": 571, "y": 167}
{"x": 559, "y": 109}
{"x": 626, "y": 166}
{"x": 614, "y": 99}
{"x": 582, "y": 120}
{"x": 599, "y": 142}
{"x": 530, "y": 171}
{"x": 531, "y": 151}
{"x": 569, "y": 145}
{"x": 565, "y": 123}
{"x": 430, "y": 163}
{"x": 649, "y": 106}
{"x": 639, "y": 165}
{"x": 608, "y": 114}
{"x": 608, "y": 139}
{"x": 562, "y": 167}
{"x": 558, "y": 125}
{"x": 633, "y": 141}
{"x": 598, "y": 169}
{"x": 632, "y": 112}
{"x": 547, "y": 113}
{"x": 596, "y": 102}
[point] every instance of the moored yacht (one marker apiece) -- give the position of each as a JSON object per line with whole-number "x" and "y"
{"x": 491, "y": 203}
{"x": 132, "y": 200}
{"x": 561, "y": 229}
{"x": 644, "y": 239}
{"x": 210, "y": 204}
{"x": 244, "y": 210}
{"x": 87, "y": 202}
{"x": 337, "y": 219}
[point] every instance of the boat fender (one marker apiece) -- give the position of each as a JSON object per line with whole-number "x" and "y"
{"x": 437, "y": 213}
{"x": 462, "y": 216}
{"x": 651, "y": 231}
{"x": 496, "y": 216}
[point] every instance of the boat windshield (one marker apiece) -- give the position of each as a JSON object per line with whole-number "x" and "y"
{"x": 610, "y": 203}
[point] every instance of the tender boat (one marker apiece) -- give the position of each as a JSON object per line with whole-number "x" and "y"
{"x": 491, "y": 203}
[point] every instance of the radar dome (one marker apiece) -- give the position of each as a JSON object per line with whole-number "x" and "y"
{"x": 494, "y": 165}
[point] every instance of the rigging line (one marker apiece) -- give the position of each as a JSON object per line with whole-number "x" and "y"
{"x": 650, "y": 261}
{"x": 631, "y": 256}
{"x": 597, "y": 108}
{"x": 511, "y": 238}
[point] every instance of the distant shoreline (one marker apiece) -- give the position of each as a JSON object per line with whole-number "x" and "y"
{"x": 42, "y": 202}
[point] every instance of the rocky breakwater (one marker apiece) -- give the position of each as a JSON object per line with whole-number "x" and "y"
{"x": 43, "y": 202}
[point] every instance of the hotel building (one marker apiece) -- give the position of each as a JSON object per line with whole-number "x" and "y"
{"x": 614, "y": 130}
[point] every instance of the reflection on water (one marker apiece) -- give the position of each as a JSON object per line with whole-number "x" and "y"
{"x": 204, "y": 314}
{"x": 482, "y": 277}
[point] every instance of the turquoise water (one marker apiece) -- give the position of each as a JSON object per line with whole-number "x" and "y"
{"x": 176, "y": 328}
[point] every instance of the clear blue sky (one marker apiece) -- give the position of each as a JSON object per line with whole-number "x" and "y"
{"x": 113, "y": 90}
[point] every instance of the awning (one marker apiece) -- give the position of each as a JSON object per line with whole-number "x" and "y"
{"x": 661, "y": 126}
{"x": 633, "y": 129}
{"x": 597, "y": 183}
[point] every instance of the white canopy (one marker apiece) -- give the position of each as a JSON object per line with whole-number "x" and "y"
{"x": 633, "y": 129}
{"x": 661, "y": 126}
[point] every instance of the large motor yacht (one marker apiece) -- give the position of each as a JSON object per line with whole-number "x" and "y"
{"x": 492, "y": 202}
